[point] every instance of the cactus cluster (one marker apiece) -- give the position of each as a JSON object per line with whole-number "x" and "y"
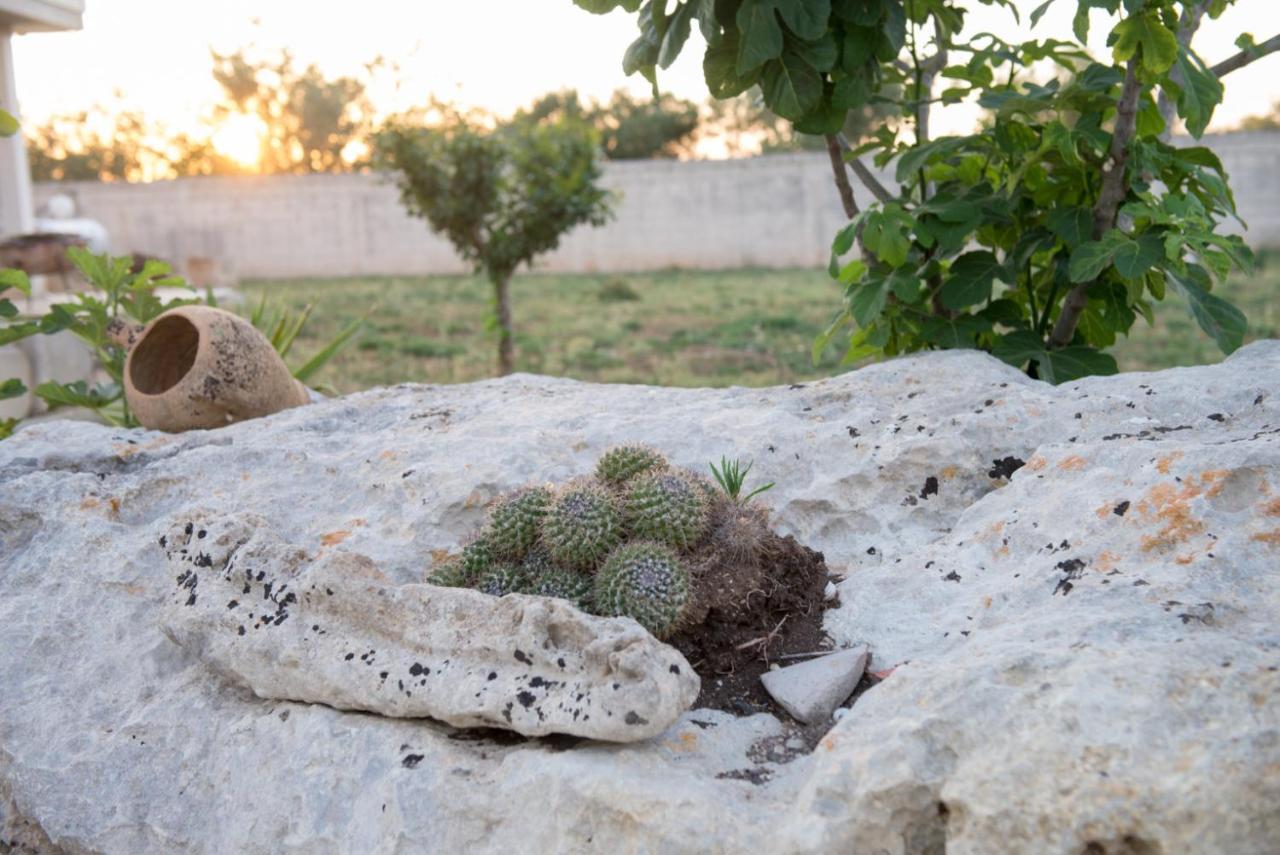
{"x": 625, "y": 542}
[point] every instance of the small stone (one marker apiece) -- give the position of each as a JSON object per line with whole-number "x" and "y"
{"x": 830, "y": 591}
{"x": 812, "y": 690}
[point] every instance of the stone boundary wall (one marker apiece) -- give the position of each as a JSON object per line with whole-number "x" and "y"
{"x": 775, "y": 211}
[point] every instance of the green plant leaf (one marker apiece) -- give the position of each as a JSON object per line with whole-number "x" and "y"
{"x": 77, "y": 394}
{"x": 676, "y": 34}
{"x": 1145, "y": 30}
{"x": 1072, "y": 363}
{"x": 960, "y": 331}
{"x": 1199, "y": 95}
{"x": 1134, "y": 258}
{"x": 17, "y": 279}
{"x": 806, "y": 18}
{"x": 971, "y": 279}
{"x": 12, "y": 388}
{"x": 761, "y": 35}
{"x": 1071, "y": 225}
{"x": 867, "y": 300}
{"x": 8, "y": 124}
{"x": 720, "y": 70}
{"x": 336, "y": 344}
{"x": 791, "y": 86}
{"x": 1091, "y": 258}
{"x": 1223, "y": 322}
{"x": 1038, "y": 12}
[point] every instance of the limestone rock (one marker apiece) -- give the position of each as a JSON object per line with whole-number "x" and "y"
{"x": 336, "y": 631}
{"x": 812, "y": 690}
{"x": 1075, "y": 588}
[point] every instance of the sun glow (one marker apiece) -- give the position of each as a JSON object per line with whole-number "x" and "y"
{"x": 239, "y": 137}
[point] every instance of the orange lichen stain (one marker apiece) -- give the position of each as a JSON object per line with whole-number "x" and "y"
{"x": 1036, "y": 463}
{"x": 89, "y": 503}
{"x": 1170, "y": 506}
{"x": 828, "y": 744}
{"x": 949, "y": 472}
{"x": 687, "y": 742}
{"x": 439, "y": 555}
{"x": 1214, "y": 480}
{"x": 124, "y": 452}
{"x": 1163, "y": 464}
{"x": 387, "y": 455}
{"x": 475, "y": 500}
{"x": 1074, "y": 463}
{"x": 1272, "y": 508}
{"x": 1270, "y": 538}
{"x": 1105, "y": 562}
{"x": 333, "y": 538}
{"x": 1003, "y": 551}
{"x": 1104, "y": 509}
{"x": 1185, "y": 559}
{"x": 115, "y": 507}
{"x": 580, "y": 445}
{"x": 986, "y": 602}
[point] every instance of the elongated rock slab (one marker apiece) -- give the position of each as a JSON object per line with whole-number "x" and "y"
{"x": 335, "y": 630}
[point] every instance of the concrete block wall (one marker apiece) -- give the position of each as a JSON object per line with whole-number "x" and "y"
{"x": 775, "y": 211}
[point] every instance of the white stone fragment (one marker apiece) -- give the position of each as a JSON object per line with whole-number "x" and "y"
{"x": 337, "y": 631}
{"x": 810, "y": 691}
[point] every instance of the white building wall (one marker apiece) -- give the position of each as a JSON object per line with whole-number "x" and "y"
{"x": 776, "y": 211}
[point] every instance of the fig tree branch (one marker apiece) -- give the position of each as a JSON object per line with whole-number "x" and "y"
{"x": 1245, "y": 57}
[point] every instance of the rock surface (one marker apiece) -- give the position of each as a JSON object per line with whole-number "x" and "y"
{"x": 336, "y": 631}
{"x": 1075, "y": 588}
{"x": 811, "y": 691}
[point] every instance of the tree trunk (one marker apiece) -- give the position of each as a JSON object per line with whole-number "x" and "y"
{"x": 506, "y": 337}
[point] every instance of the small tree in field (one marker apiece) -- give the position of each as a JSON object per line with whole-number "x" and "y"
{"x": 501, "y": 196}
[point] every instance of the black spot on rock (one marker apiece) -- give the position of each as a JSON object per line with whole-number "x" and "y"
{"x": 853, "y": 432}
{"x": 953, "y": 576}
{"x": 521, "y": 656}
{"x": 634, "y": 718}
{"x": 930, "y": 487}
{"x": 1217, "y": 417}
{"x": 526, "y": 699}
{"x": 1005, "y": 467}
{"x": 415, "y": 670}
{"x": 349, "y": 657}
{"x": 493, "y": 675}
{"x": 1121, "y": 509}
{"x": 411, "y": 761}
{"x": 674, "y": 669}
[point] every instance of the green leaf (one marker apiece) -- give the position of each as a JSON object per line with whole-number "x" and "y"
{"x": 761, "y": 36}
{"x": 917, "y": 156}
{"x": 1072, "y": 363}
{"x": 720, "y": 68}
{"x": 12, "y": 278}
{"x": 1038, "y": 12}
{"x": 824, "y": 338}
{"x": 1223, "y": 322}
{"x": 791, "y": 86}
{"x": 1134, "y": 258}
{"x": 960, "y": 331}
{"x": 337, "y": 343}
{"x": 677, "y": 33}
{"x": 77, "y": 394}
{"x": 1071, "y": 225}
{"x": 1145, "y": 30}
{"x": 806, "y": 18}
{"x": 12, "y": 388}
{"x": 1089, "y": 259}
{"x": 884, "y": 233}
{"x": 821, "y": 54}
{"x": 971, "y": 279}
{"x": 8, "y": 124}
{"x": 867, "y": 300}
{"x": 1199, "y": 95}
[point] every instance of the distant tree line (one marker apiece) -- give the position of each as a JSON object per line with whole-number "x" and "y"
{"x": 312, "y": 123}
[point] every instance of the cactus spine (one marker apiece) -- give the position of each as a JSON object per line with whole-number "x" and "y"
{"x": 515, "y": 520}
{"x": 620, "y": 464}
{"x": 667, "y": 507}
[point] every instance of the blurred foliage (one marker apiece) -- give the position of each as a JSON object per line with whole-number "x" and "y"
{"x": 629, "y": 128}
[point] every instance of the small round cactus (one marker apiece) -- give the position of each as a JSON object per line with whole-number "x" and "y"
{"x": 563, "y": 585}
{"x": 645, "y": 581}
{"x": 515, "y": 520}
{"x": 537, "y": 561}
{"x": 476, "y": 557}
{"x": 502, "y": 579}
{"x": 620, "y": 464}
{"x": 667, "y": 507}
{"x": 582, "y": 525}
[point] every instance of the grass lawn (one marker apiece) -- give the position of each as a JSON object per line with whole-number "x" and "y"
{"x": 679, "y": 328}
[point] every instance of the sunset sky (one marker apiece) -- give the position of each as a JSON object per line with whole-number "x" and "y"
{"x": 496, "y": 54}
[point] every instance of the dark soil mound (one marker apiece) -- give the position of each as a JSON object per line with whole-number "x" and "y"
{"x": 778, "y": 615}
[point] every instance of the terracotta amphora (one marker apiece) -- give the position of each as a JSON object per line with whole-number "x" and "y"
{"x": 200, "y": 367}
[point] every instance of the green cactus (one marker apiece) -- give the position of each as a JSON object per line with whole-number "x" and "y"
{"x": 582, "y": 525}
{"x": 537, "y": 561}
{"x": 476, "y": 557}
{"x": 502, "y": 579}
{"x": 448, "y": 574}
{"x": 620, "y": 464}
{"x": 563, "y": 585}
{"x": 645, "y": 581}
{"x": 668, "y": 507}
{"x": 515, "y": 520}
